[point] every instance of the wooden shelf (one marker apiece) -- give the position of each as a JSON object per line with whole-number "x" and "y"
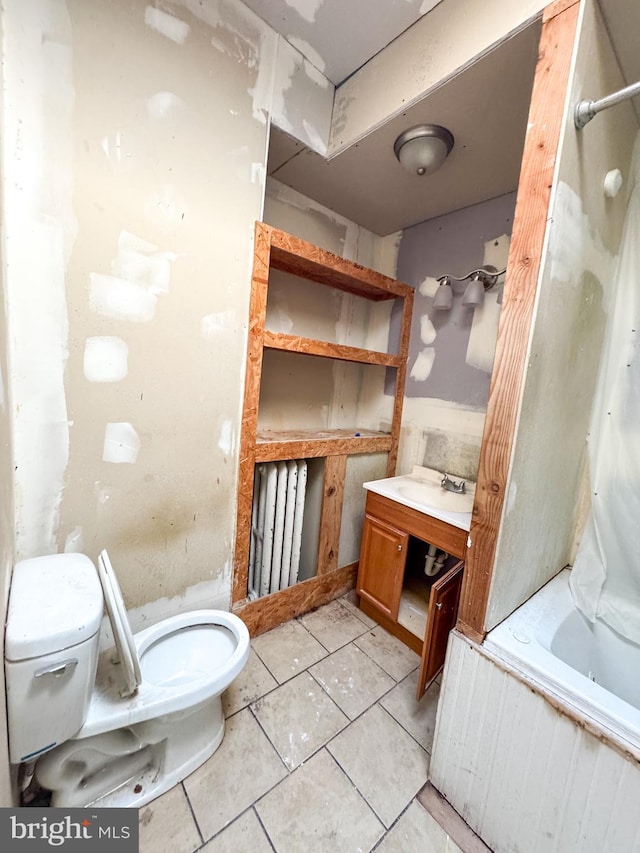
{"x": 276, "y": 250}
{"x": 272, "y": 446}
{"x": 293, "y": 255}
{"x": 308, "y": 346}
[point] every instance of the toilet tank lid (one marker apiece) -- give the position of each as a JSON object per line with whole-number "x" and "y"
{"x": 55, "y": 602}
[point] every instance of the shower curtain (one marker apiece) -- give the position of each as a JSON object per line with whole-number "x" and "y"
{"x": 605, "y": 579}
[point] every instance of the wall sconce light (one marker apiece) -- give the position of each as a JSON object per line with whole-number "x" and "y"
{"x": 423, "y": 149}
{"x": 481, "y": 280}
{"x": 443, "y": 300}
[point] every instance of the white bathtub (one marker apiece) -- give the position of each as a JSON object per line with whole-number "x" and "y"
{"x": 589, "y": 668}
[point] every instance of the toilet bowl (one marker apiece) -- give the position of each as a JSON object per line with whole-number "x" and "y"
{"x": 121, "y": 729}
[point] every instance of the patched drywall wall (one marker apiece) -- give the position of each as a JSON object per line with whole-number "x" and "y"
{"x": 6, "y": 504}
{"x": 134, "y": 159}
{"x": 451, "y": 352}
{"x": 543, "y": 503}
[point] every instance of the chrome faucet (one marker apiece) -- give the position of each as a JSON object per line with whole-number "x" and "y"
{"x": 451, "y": 486}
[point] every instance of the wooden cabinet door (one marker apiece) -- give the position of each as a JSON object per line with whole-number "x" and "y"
{"x": 443, "y": 610}
{"x": 381, "y": 571}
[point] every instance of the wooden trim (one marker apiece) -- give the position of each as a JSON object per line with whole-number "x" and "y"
{"x": 309, "y": 444}
{"x": 266, "y": 613}
{"x": 469, "y": 632}
{"x": 401, "y": 376}
{"x": 557, "y": 8}
{"x": 257, "y": 316}
{"x": 293, "y": 255}
{"x": 523, "y": 270}
{"x": 335, "y": 468}
{"x": 324, "y": 349}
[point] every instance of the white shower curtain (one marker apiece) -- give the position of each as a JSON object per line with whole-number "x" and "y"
{"x": 605, "y": 580}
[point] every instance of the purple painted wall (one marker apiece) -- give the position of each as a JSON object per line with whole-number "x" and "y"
{"x": 453, "y": 244}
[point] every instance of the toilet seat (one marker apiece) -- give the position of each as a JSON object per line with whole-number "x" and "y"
{"x": 228, "y": 642}
{"x": 122, "y": 636}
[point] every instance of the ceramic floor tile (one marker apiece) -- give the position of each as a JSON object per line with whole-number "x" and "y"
{"x": 418, "y": 718}
{"x": 352, "y": 679}
{"x": 253, "y": 682}
{"x": 317, "y": 810}
{"x": 333, "y": 625}
{"x": 288, "y": 650}
{"x": 417, "y": 830}
{"x": 243, "y": 768}
{"x": 388, "y": 652}
{"x": 244, "y": 835}
{"x": 384, "y": 762}
{"x": 350, "y": 601}
{"x": 299, "y": 718}
{"x": 167, "y": 824}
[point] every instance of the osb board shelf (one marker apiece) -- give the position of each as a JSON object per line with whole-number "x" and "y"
{"x": 324, "y": 349}
{"x": 272, "y": 445}
{"x": 268, "y": 612}
{"x": 276, "y": 250}
{"x": 295, "y": 256}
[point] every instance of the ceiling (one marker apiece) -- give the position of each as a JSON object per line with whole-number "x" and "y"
{"x": 365, "y": 183}
{"x": 339, "y": 36}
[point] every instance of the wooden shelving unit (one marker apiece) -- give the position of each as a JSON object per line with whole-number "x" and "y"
{"x": 276, "y": 250}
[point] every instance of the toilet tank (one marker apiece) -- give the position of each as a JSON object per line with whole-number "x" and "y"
{"x": 51, "y": 650}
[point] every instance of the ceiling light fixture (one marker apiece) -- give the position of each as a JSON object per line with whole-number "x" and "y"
{"x": 423, "y": 149}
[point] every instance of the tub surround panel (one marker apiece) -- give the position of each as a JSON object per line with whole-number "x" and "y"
{"x": 499, "y": 742}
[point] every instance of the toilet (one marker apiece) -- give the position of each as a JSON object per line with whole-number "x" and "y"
{"x": 120, "y": 728}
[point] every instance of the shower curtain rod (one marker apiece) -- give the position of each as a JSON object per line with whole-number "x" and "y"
{"x": 586, "y": 110}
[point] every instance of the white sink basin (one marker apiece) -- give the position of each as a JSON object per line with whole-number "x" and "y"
{"x": 436, "y": 497}
{"x": 422, "y": 490}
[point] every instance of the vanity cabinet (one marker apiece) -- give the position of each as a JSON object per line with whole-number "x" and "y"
{"x": 394, "y": 542}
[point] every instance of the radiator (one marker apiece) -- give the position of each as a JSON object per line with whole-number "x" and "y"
{"x": 276, "y": 526}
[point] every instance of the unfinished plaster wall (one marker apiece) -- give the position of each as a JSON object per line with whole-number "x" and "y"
{"x": 543, "y": 509}
{"x": 134, "y": 158}
{"x": 6, "y": 506}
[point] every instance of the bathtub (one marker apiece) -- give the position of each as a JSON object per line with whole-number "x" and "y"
{"x": 591, "y": 670}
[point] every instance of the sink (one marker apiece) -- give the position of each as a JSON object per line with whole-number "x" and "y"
{"x": 430, "y": 495}
{"x": 421, "y": 490}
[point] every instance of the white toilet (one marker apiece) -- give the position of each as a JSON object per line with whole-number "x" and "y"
{"x": 121, "y": 729}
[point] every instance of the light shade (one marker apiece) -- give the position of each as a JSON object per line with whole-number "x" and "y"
{"x": 443, "y": 299}
{"x": 423, "y": 149}
{"x": 474, "y": 294}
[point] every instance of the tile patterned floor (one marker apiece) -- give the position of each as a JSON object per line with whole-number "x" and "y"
{"x": 325, "y": 750}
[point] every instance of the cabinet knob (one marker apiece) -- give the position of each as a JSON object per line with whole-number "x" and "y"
{"x": 439, "y": 605}
{"x": 399, "y": 547}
